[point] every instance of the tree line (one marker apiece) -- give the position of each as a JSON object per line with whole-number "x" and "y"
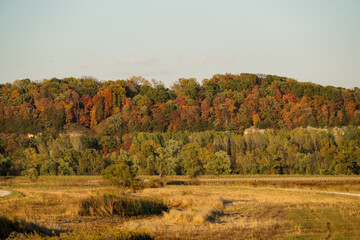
{"x": 229, "y": 124}
{"x": 298, "y": 151}
{"x": 224, "y": 102}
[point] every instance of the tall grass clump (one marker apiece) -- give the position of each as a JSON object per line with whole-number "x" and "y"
{"x": 8, "y": 226}
{"x": 120, "y": 206}
{"x": 108, "y": 235}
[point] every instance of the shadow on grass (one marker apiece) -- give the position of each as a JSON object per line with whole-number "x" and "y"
{"x": 11, "y": 227}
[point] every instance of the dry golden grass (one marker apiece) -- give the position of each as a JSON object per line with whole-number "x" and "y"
{"x": 242, "y": 211}
{"x": 211, "y": 212}
{"x": 206, "y": 211}
{"x": 50, "y": 201}
{"x": 335, "y": 183}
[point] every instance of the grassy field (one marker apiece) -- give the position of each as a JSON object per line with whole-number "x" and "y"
{"x": 205, "y": 208}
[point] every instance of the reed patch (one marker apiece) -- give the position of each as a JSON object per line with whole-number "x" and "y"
{"x": 120, "y": 206}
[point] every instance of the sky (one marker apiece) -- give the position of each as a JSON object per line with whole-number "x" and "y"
{"x": 308, "y": 40}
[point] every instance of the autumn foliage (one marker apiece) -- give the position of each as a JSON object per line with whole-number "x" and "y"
{"x": 36, "y": 115}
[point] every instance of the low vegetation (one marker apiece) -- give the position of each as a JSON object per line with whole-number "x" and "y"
{"x": 87, "y": 207}
{"x": 15, "y": 225}
{"x": 107, "y": 234}
{"x": 110, "y": 205}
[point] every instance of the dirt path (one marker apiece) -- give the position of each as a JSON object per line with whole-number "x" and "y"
{"x": 329, "y": 192}
{"x": 4, "y": 193}
{"x": 280, "y": 179}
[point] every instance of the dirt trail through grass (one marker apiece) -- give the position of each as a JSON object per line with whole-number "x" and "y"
{"x": 4, "y": 193}
{"x": 328, "y": 192}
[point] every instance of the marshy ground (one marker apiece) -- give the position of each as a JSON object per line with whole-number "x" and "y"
{"x": 205, "y": 208}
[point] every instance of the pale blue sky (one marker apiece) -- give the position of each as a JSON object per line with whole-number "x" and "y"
{"x": 309, "y": 40}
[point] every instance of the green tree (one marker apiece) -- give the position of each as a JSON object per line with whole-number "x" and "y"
{"x": 190, "y": 158}
{"x": 89, "y": 86}
{"x": 91, "y": 162}
{"x": 69, "y": 163}
{"x": 119, "y": 174}
{"x": 347, "y": 158}
{"x": 220, "y": 165}
{"x": 5, "y": 165}
{"x": 161, "y": 157}
{"x": 32, "y": 162}
{"x": 187, "y": 87}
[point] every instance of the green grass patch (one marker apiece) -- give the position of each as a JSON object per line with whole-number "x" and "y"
{"x": 324, "y": 223}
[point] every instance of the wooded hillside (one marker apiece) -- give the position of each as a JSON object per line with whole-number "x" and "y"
{"x": 80, "y": 126}
{"x": 224, "y": 102}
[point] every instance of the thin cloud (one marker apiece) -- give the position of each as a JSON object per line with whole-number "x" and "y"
{"x": 146, "y": 61}
{"x": 228, "y": 60}
{"x": 148, "y": 72}
{"x": 97, "y": 64}
{"x": 200, "y": 60}
{"x": 140, "y": 61}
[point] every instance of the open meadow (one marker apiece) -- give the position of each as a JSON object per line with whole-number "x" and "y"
{"x": 182, "y": 208}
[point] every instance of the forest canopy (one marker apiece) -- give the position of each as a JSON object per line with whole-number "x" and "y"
{"x": 246, "y": 124}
